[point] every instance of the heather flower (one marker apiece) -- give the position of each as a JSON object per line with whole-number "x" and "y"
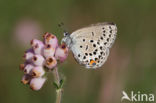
{"x": 22, "y": 66}
{"x": 26, "y": 79}
{"x": 37, "y": 83}
{"x": 33, "y": 42}
{"x": 48, "y": 50}
{"x": 28, "y": 68}
{"x": 28, "y": 56}
{"x": 38, "y": 60}
{"x": 50, "y": 39}
{"x": 41, "y": 55}
{"x": 38, "y": 48}
{"x": 61, "y": 53}
{"x": 37, "y": 71}
{"x": 50, "y": 62}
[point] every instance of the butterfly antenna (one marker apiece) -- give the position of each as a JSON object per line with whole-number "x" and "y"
{"x": 61, "y": 25}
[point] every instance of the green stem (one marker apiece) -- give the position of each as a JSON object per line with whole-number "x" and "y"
{"x": 58, "y": 95}
{"x": 57, "y": 80}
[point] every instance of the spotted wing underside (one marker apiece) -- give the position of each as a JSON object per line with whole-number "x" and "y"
{"x": 90, "y": 45}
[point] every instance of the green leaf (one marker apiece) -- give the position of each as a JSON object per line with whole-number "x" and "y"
{"x": 61, "y": 83}
{"x": 56, "y": 85}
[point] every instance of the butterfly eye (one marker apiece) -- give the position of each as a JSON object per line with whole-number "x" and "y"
{"x": 66, "y": 33}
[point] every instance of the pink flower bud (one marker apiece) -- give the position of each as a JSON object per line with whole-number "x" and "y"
{"x": 35, "y": 41}
{"x": 26, "y": 79}
{"x": 37, "y": 83}
{"x": 21, "y": 66}
{"x": 38, "y": 60}
{"x": 48, "y": 50}
{"x": 50, "y": 39}
{"x": 38, "y": 48}
{"x": 28, "y": 56}
{"x": 30, "y": 50}
{"x": 37, "y": 71}
{"x": 50, "y": 62}
{"x": 61, "y": 52}
{"x": 28, "y": 68}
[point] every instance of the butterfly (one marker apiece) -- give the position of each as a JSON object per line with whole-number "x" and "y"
{"x": 90, "y": 45}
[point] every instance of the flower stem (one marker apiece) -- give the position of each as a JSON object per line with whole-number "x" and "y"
{"x": 57, "y": 80}
{"x": 58, "y": 95}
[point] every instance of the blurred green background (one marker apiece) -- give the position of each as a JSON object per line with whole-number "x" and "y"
{"x": 130, "y": 67}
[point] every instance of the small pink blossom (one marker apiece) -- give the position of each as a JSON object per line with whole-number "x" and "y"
{"x": 26, "y": 79}
{"x": 61, "y": 53}
{"x": 28, "y": 56}
{"x": 21, "y": 66}
{"x": 48, "y": 50}
{"x": 50, "y": 62}
{"x": 28, "y": 68}
{"x": 50, "y": 39}
{"x": 33, "y": 42}
{"x": 37, "y": 83}
{"x": 38, "y": 48}
{"x": 37, "y": 71}
{"x": 38, "y": 60}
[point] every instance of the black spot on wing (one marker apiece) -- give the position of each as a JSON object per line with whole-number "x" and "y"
{"x": 84, "y": 57}
{"x": 110, "y": 31}
{"x": 94, "y": 53}
{"x": 101, "y": 38}
{"x": 86, "y": 47}
{"x": 110, "y": 27}
{"x": 91, "y": 41}
{"x": 94, "y": 45}
{"x": 105, "y": 43}
{"x": 107, "y": 39}
{"x": 90, "y": 54}
{"x": 101, "y": 47}
{"x": 109, "y": 35}
{"x": 79, "y": 55}
{"x": 92, "y": 33}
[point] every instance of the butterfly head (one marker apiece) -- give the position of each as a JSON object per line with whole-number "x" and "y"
{"x": 66, "y": 39}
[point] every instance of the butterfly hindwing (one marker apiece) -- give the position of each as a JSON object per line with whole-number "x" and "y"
{"x": 90, "y": 54}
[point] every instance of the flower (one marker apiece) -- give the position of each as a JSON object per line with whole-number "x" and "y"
{"x": 50, "y": 62}
{"x": 48, "y": 50}
{"x": 33, "y": 42}
{"x": 37, "y": 83}
{"x": 37, "y": 71}
{"x": 22, "y": 66}
{"x": 26, "y": 79}
{"x": 50, "y": 39}
{"x": 42, "y": 54}
{"x": 61, "y": 52}
{"x": 28, "y": 68}
{"x": 28, "y": 56}
{"x": 38, "y": 60}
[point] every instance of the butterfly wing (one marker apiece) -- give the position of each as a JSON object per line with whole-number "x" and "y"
{"x": 90, "y": 45}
